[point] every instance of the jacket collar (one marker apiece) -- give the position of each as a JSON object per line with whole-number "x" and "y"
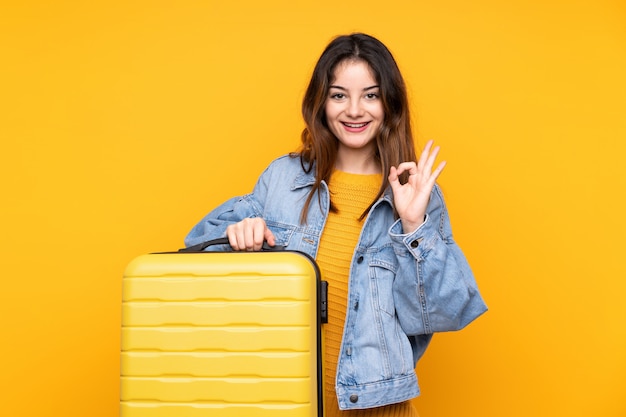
{"x": 307, "y": 179}
{"x": 304, "y": 179}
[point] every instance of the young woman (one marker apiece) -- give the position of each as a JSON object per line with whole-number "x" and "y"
{"x": 357, "y": 199}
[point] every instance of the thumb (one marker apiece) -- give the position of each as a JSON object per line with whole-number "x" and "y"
{"x": 393, "y": 178}
{"x": 269, "y": 237}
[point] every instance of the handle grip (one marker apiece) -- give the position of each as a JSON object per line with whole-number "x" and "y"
{"x": 224, "y": 241}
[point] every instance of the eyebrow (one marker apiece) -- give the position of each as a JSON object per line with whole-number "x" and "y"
{"x": 345, "y": 89}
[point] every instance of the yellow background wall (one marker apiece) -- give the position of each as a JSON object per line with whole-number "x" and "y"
{"x": 122, "y": 123}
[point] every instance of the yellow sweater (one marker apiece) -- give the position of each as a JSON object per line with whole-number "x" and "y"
{"x": 351, "y": 194}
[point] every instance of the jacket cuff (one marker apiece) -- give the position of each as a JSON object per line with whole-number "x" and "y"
{"x": 418, "y": 242}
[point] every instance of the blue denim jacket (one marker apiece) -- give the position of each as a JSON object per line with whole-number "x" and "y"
{"x": 402, "y": 289}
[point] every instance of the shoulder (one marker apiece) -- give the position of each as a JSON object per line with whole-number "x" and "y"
{"x": 288, "y": 164}
{"x": 287, "y": 160}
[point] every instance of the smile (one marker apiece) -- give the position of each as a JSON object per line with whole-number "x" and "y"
{"x": 355, "y": 125}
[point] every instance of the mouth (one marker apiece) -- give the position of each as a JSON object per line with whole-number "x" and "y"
{"x": 355, "y": 127}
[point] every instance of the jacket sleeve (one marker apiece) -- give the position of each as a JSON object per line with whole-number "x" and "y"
{"x": 434, "y": 289}
{"x": 214, "y": 224}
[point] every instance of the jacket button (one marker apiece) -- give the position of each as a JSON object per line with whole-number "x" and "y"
{"x": 354, "y": 398}
{"x": 415, "y": 243}
{"x": 359, "y": 260}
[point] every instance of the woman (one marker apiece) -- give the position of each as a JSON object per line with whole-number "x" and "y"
{"x": 356, "y": 198}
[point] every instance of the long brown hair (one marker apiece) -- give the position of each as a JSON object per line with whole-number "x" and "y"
{"x": 394, "y": 141}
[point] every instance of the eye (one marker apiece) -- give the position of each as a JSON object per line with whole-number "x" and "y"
{"x": 337, "y": 96}
{"x": 371, "y": 96}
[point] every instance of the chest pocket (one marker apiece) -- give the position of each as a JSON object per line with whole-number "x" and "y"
{"x": 382, "y": 271}
{"x": 282, "y": 232}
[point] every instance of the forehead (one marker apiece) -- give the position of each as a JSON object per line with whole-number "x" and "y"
{"x": 353, "y": 70}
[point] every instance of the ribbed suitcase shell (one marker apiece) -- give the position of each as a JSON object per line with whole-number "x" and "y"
{"x": 221, "y": 334}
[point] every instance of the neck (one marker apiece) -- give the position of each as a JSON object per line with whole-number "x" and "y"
{"x": 355, "y": 161}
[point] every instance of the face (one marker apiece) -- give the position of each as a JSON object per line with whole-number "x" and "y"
{"x": 354, "y": 110}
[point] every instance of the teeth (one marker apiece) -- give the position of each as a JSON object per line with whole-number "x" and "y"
{"x": 355, "y": 125}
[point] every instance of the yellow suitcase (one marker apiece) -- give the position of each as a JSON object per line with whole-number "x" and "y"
{"x": 222, "y": 334}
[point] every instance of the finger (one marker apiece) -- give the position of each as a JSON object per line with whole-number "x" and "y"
{"x": 438, "y": 171}
{"x": 235, "y": 236}
{"x": 241, "y": 236}
{"x": 246, "y": 237}
{"x": 425, "y": 153}
{"x": 394, "y": 179}
{"x": 258, "y": 234}
{"x": 410, "y": 167}
{"x": 269, "y": 237}
{"x": 393, "y": 174}
{"x": 243, "y": 233}
{"x": 430, "y": 162}
{"x": 232, "y": 236}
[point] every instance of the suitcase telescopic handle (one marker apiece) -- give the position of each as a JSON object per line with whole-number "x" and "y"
{"x": 224, "y": 241}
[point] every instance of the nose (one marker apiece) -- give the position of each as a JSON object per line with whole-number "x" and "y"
{"x": 354, "y": 108}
